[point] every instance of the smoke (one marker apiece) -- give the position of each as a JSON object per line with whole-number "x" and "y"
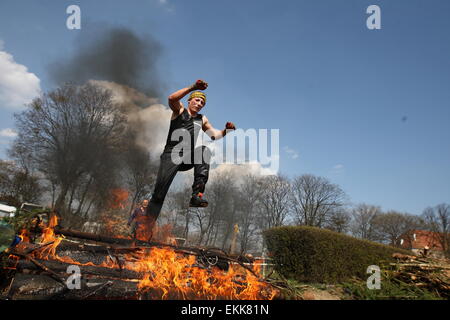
{"x": 112, "y": 54}
{"x": 119, "y": 60}
{"x": 149, "y": 119}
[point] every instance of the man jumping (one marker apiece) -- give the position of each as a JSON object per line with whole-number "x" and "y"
{"x": 185, "y": 125}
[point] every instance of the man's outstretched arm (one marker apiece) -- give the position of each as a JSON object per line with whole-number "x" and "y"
{"x": 216, "y": 134}
{"x": 174, "y": 99}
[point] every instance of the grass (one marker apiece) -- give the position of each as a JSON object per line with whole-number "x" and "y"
{"x": 355, "y": 289}
{"x": 391, "y": 289}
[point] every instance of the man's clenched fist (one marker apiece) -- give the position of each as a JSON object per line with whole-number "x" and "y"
{"x": 230, "y": 126}
{"x": 200, "y": 85}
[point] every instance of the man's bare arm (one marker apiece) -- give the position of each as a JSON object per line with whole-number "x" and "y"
{"x": 174, "y": 99}
{"x": 213, "y": 133}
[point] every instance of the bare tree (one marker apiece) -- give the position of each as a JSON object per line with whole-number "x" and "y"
{"x": 315, "y": 199}
{"x": 392, "y": 226}
{"x": 178, "y": 202}
{"x": 221, "y": 211}
{"x": 438, "y": 220}
{"x": 18, "y": 184}
{"x": 275, "y": 201}
{"x": 362, "y": 225}
{"x": 249, "y": 199}
{"x": 140, "y": 173}
{"x": 339, "y": 221}
{"x": 69, "y": 133}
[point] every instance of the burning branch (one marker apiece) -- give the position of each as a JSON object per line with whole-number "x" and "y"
{"x": 152, "y": 270}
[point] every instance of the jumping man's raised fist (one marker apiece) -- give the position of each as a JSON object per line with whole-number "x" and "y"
{"x": 230, "y": 126}
{"x": 200, "y": 85}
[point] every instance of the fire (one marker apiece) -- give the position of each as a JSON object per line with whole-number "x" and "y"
{"x": 49, "y": 251}
{"x": 167, "y": 274}
{"x": 48, "y": 235}
{"x": 24, "y": 235}
{"x": 119, "y": 198}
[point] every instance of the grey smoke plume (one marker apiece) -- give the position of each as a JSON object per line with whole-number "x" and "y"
{"x": 146, "y": 115}
{"x": 113, "y": 54}
{"x": 127, "y": 64}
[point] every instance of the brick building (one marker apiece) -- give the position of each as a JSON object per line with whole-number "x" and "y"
{"x": 417, "y": 240}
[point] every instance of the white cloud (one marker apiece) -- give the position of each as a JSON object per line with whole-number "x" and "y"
{"x": 291, "y": 152}
{"x": 17, "y": 86}
{"x": 8, "y": 132}
{"x": 254, "y": 168}
{"x": 337, "y": 170}
{"x": 167, "y": 5}
{"x": 237, "y": 171}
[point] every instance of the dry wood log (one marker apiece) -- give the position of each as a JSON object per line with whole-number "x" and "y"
{"x": 142, "y": 244}
{"x": 61, "y": 268}
{"x": 42, "y": 287}
{"x": 92, "y": 237}
{"x": 205, "y": 253}
{"x": 39, "y": 265}
{"x": 423, "y": 266}
{"x": 34, "y": 287}
{"x": 97, "y": 289}
{"x": 405, "y": 257}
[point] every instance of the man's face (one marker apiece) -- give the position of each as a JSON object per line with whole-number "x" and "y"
{"x": 196, "y": 104}
{"x": 145, "y": 203}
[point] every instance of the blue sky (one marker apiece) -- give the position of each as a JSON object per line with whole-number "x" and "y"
{"x": 368, "y": 109}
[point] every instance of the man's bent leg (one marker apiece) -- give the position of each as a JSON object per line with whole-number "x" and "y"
{"x": 201, "y": 174}
{"x": 166, "y": 174}
{"x": 201, "y": 171}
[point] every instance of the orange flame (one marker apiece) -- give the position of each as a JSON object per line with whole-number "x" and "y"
{"x": 24, "y": 235}
{"x": 48, "y": 235}
{"x": 119, "y": 198}
{"x": 170, "y": 275}
{"x": 49, "y": 252}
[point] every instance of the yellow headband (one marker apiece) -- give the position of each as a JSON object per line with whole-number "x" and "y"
{"x": 197, "y": 94}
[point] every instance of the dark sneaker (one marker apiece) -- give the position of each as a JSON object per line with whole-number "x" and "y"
{"x": 197, "y": 201}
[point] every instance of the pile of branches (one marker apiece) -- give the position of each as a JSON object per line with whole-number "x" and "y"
{"x": 425, "y": 273}
{"x": 100, "y": 260}
{"x": 32, "y": 278}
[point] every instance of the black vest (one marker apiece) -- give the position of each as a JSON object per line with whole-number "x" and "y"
{"x": 190, "y": 125}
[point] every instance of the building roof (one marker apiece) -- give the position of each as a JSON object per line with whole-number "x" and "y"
{"x": 419, "y": 239}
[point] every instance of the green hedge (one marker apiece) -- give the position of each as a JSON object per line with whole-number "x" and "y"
{"x": 309, "y": 254}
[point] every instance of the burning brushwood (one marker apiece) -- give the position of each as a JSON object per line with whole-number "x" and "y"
{"x": 68, "y": 264}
